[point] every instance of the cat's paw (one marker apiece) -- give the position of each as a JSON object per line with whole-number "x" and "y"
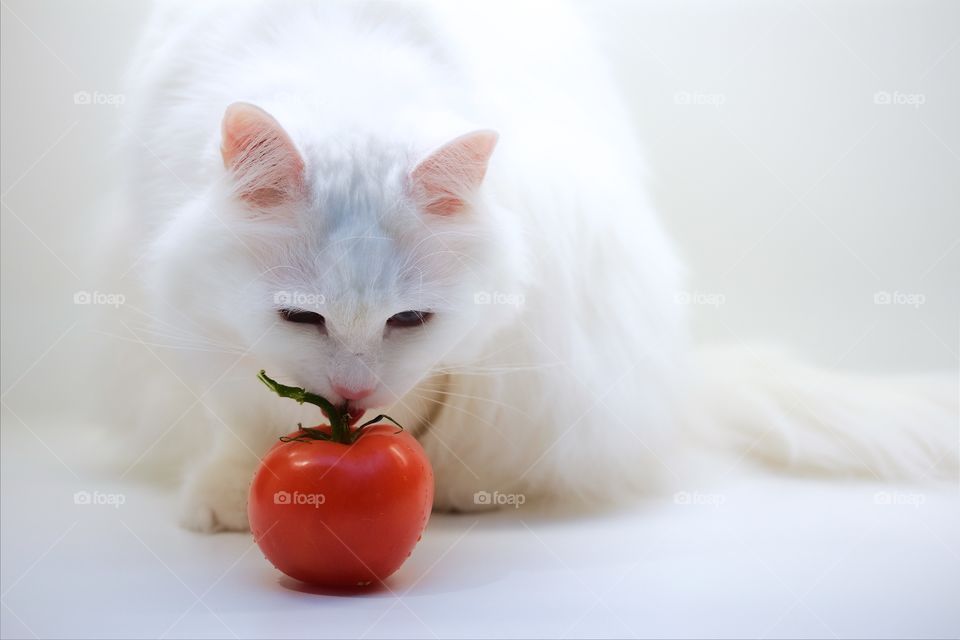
{"x": 213, "y": 502}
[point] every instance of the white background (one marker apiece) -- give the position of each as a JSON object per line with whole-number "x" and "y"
{"x": 795, "y": 198}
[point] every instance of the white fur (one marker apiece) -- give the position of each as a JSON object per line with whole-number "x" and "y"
{"x": 764, "y": 405}
{"x": 576, "y": 391}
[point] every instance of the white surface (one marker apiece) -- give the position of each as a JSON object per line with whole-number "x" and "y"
{"x": 776, "y": 558}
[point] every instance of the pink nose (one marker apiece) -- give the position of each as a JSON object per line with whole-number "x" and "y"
{"x": 352, "y": 394}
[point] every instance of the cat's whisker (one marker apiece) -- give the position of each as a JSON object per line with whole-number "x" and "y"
{"x": 158, "y": 320}
{"x": 457, "y": 254}
{"x": 441, "y": 234}
{"x": 472, "y": 370}
{"x": 186, "y": 337}
{"x": 176, "y": 343}
{"x": 177, "y": 331}
{"x": 294, "y": 268}
{"x": 448, "y": 405}
{"x": 180, "y": 334}
{"x": 160, "y": 345}
{"x": 467, "y": 396}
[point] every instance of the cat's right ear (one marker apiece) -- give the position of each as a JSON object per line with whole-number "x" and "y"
{"x": 265, "y": 165}
{"x": 441, "y": 181}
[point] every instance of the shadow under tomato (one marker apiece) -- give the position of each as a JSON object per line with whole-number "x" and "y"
{"x": 375, "y": 589}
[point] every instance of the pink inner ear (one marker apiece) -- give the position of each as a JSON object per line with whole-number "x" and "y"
{"x": 266, "y": 166}
{"x": 443, "y": 179}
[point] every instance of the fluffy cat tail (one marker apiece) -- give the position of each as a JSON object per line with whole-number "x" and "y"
{"x": 768, "y": 407}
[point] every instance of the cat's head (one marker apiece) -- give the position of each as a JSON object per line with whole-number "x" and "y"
{"x": 354, "y": 266}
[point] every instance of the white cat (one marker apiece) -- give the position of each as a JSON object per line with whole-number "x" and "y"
{"x": 434, "y": 209}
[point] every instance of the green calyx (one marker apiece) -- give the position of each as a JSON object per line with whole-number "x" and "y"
{"x": 339, "y": 417}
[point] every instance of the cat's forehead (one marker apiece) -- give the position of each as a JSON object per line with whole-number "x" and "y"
{"x": 362, "y": 269}
{"x": 358, "y": 188}
{"x": 360, "y": 234}
{"x": 353, "y": 174}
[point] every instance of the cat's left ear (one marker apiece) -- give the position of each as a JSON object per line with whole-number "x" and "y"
{"x": 443, "y": 180}
{"x": 265, "y": 165}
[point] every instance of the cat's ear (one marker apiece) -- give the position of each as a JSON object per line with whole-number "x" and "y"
{"x": 265, "y": 165}
{"x": 445, "y": 178}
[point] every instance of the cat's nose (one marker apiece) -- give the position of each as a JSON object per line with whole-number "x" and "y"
{"x": 350, "y": 393}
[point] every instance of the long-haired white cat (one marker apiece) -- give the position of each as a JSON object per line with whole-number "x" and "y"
{"x": 436, "y": 209}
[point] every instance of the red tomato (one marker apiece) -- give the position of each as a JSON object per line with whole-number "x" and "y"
{"x": 338, "y": 514}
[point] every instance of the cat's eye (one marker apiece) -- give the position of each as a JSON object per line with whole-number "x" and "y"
{"x": 408, "y": 319}
{"x": 302, "y": 317}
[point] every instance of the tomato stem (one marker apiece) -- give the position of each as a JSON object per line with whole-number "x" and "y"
{"x": 338, "y": 417}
